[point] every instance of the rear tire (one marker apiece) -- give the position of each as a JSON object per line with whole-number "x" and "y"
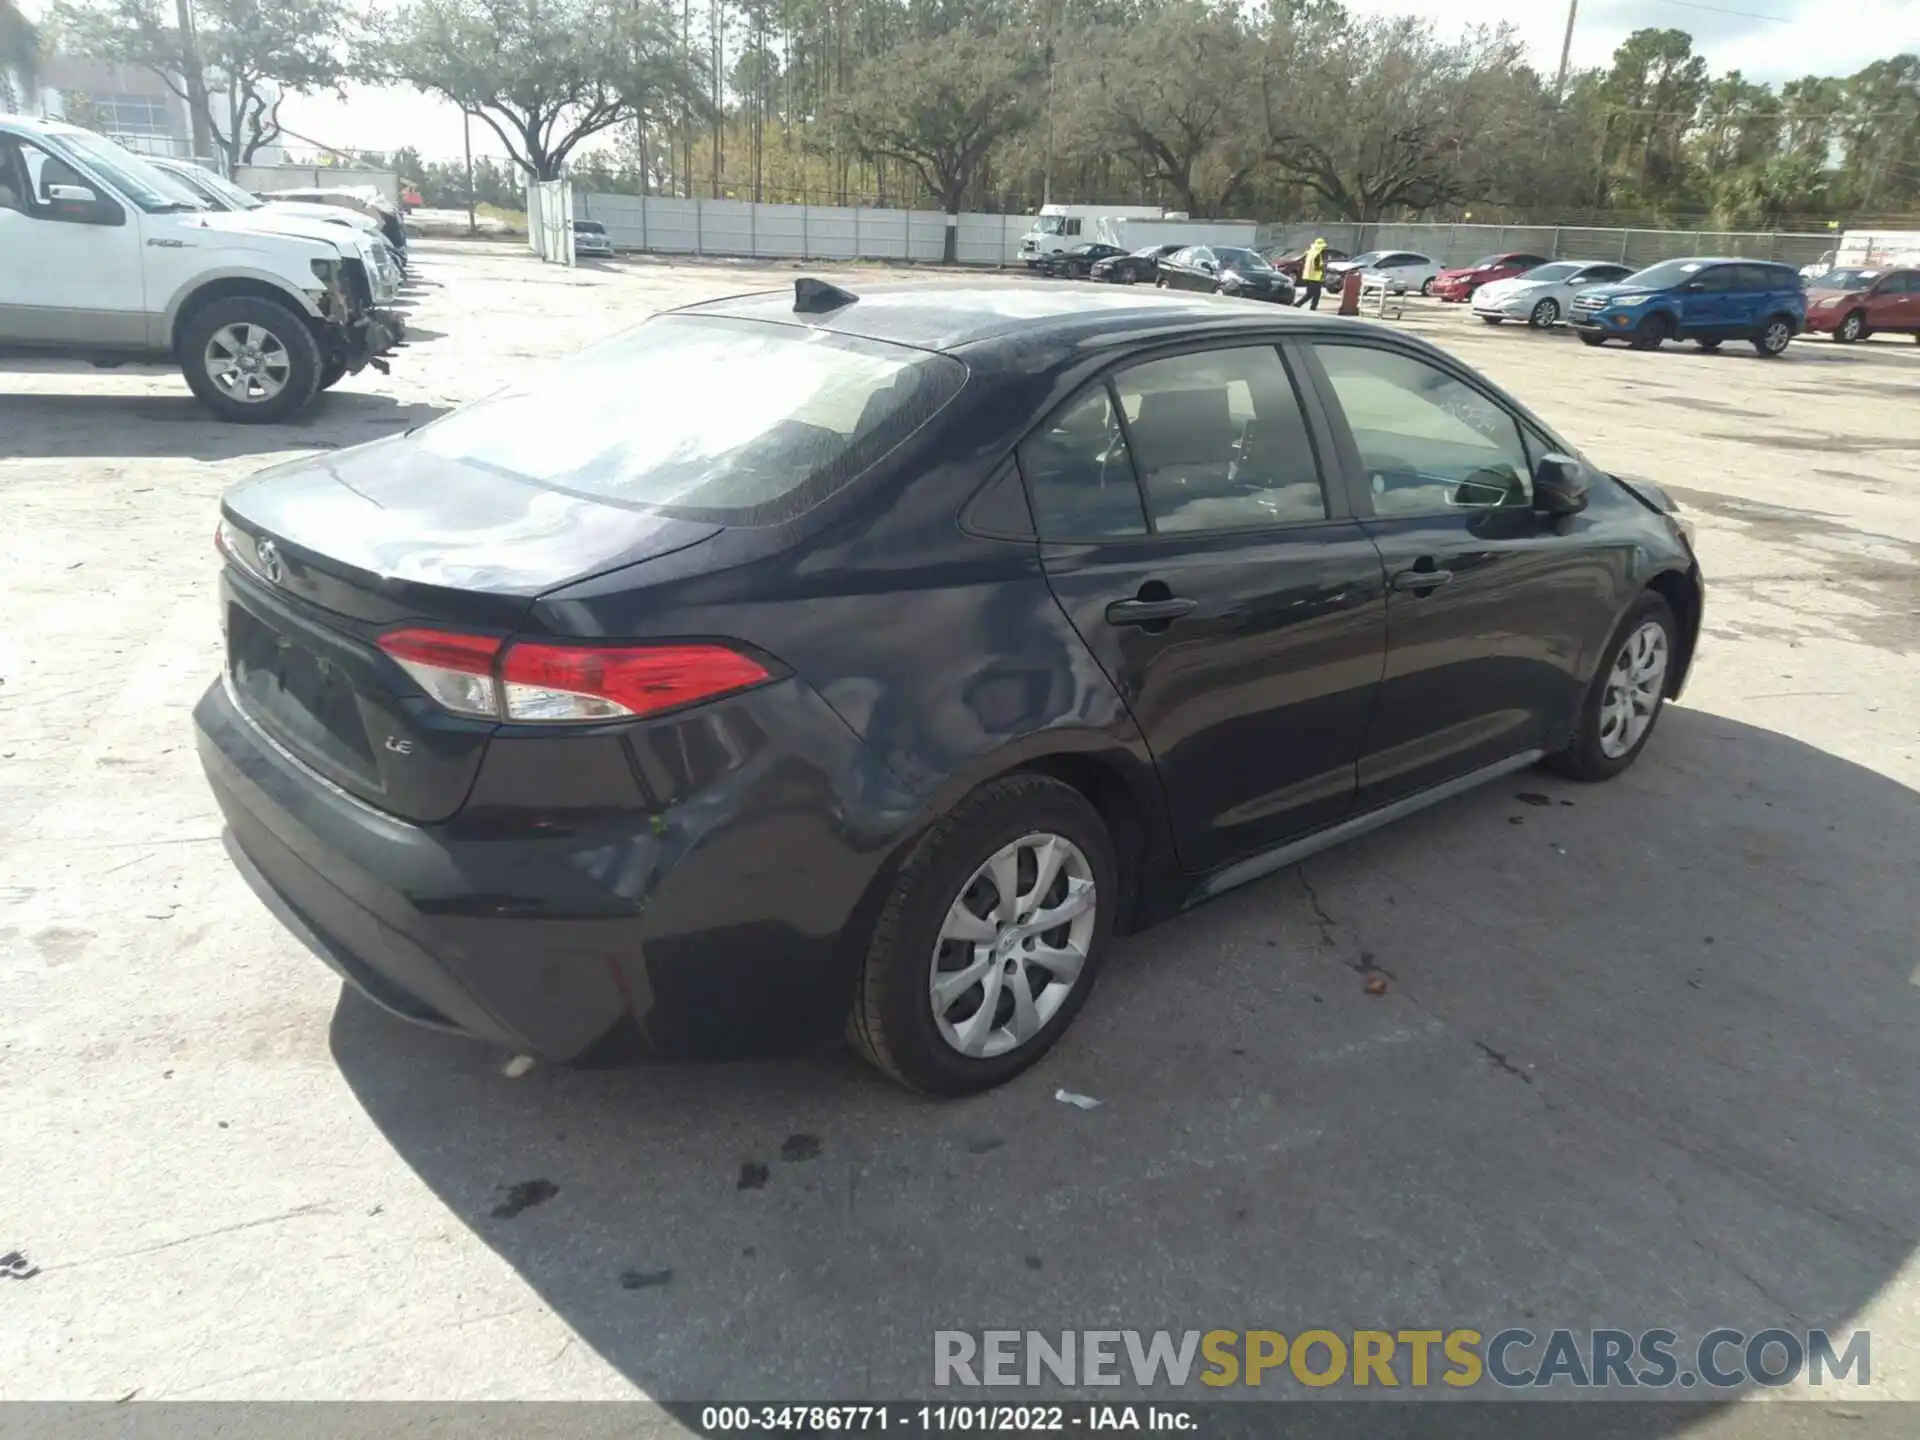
{"x": 1652, "y": 332}
{"x": 1604, "y": 742}
{"x": 922, "y": 934}
{"x": 1774, "y": 337}
{"x": 1426, "y": 286}
{"x": 222, "y": 336}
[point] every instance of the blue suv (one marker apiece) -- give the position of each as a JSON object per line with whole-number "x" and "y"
{"x": 1706, "y": 301}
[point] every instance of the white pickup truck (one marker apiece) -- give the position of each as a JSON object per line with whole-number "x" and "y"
{"x": 105, "y": 258}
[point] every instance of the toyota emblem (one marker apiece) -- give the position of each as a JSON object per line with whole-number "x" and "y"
{"x": 268, "y": 554}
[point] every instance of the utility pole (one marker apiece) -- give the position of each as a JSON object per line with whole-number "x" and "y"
{"x": 473, "y": 225}
{"x": 196, "y": 86}
{"x": 1046, "y": 172}
{"x": 1566, "y": 51}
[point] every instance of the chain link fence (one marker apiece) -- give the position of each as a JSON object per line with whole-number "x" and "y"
{"x": 1462, "y": 244}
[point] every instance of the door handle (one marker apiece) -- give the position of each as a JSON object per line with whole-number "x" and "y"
{"x": 1421, "y": 579}
{"x": 1148, "y": 612}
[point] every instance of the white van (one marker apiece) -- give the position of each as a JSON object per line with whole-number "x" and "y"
{"x": 1061, "y": 227}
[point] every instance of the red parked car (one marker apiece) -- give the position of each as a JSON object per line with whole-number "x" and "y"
{"x": 1853, "y": 303}
{"x": 1459, "y": 283}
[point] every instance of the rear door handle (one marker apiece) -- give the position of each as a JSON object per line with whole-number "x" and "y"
{"x": 1148, "y": 612}
{"x": 1421, "y": 579}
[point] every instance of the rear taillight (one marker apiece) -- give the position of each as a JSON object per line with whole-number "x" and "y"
{"x": 569, "y": 682}
{"x": 540, "y": 683}
{"x": 456, "y": 670}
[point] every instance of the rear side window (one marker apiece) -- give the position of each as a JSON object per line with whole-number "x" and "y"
{"x": 1220, "y": 442}
{"x": 731, "y": 421}
{"x": 1079, "y": 479}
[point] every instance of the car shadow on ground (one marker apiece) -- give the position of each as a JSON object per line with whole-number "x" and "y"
{"x": 169, "y": 427}
{"x": 1643, "y": 1058}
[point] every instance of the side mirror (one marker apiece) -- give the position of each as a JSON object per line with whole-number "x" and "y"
{"x": 1560, "y": 485}
{"x": 1208, "y": 266}
{"x": 75, "y": 194}
{"x": 1694, "y": 287}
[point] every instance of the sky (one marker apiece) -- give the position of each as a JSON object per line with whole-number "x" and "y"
{"x": 1764, "y": 39}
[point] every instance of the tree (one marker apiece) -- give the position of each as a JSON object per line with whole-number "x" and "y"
{"x": 1379, "y": 117}
{"x": 939, "y": 106}
{"x": 543, "y": 74}
{"x": 19, "y": 53}
{"x": 1177, "y": 92}
{"x": 1654, "y": 93}
{"x": 239, "y": 56}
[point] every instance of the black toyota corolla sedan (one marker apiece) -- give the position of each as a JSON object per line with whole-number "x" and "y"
{"x": 811, "y": 661}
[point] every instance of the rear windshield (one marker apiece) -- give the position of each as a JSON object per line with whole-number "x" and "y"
{"x": 730, "y": 421}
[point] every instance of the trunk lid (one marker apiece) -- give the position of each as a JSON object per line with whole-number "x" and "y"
{"x": 328, "y": 553}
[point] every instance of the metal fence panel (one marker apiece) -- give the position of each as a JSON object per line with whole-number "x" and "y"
{"x": 671, "y": 226}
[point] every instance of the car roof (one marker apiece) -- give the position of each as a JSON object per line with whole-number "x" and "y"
{"x": 948, "y": 317}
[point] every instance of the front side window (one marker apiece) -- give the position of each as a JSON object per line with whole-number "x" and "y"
{"x": 44, "y": 186}
{"x": 1430, "y": 443}
{"x": 714, "y": 419}
{"x": 1220, "y": 442}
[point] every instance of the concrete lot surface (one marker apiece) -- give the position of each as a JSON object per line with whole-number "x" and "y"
{"x": 1647, "y": 1055}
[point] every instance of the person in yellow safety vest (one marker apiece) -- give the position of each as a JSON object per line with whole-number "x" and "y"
{"x": 1313, "y": 274}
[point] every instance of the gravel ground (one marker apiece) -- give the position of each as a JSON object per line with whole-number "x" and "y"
{"x": 1647, "y": 1057}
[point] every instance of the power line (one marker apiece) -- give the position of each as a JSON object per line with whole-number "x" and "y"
{"x": 1723, "y": 10}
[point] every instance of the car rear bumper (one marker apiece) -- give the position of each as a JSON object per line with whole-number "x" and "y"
{"x": 727, "y": 921}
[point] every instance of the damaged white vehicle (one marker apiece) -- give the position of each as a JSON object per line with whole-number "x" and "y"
{"x": 293, "y": 217}
{"x": 109, "y": 260}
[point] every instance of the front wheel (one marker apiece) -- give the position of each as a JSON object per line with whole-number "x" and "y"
{"x": 1596, "y": 341}
{"x": 990, "y": 940}
{"x": 1124, "y": 277}
{"x": 1652, "y": 332}
{"x": 249, "y": 360}
{"x": 1545, "y": 315}
{"x": 1493, "y": 319}
{"x": 1772, "y": 341}
{"x": 1626, "y": 695}
{"x": 1853, "y": 328}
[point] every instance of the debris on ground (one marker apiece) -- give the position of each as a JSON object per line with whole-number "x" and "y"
{"x": 517, "y": 1066}
{"x": 1084, "y": 1102}
{"x": 15, "y": 1266}
{"x": 1376, "y": 985}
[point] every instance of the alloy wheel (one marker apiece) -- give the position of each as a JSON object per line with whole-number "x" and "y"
{"x": 1634, "y": 687}
{"x": 1776, "y": 337}
{"x": 249, "y": 363}
{"x": 1851, "y": 327}
{"x": 1013, "y": 945}
{"x": 1545, "y": 314}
